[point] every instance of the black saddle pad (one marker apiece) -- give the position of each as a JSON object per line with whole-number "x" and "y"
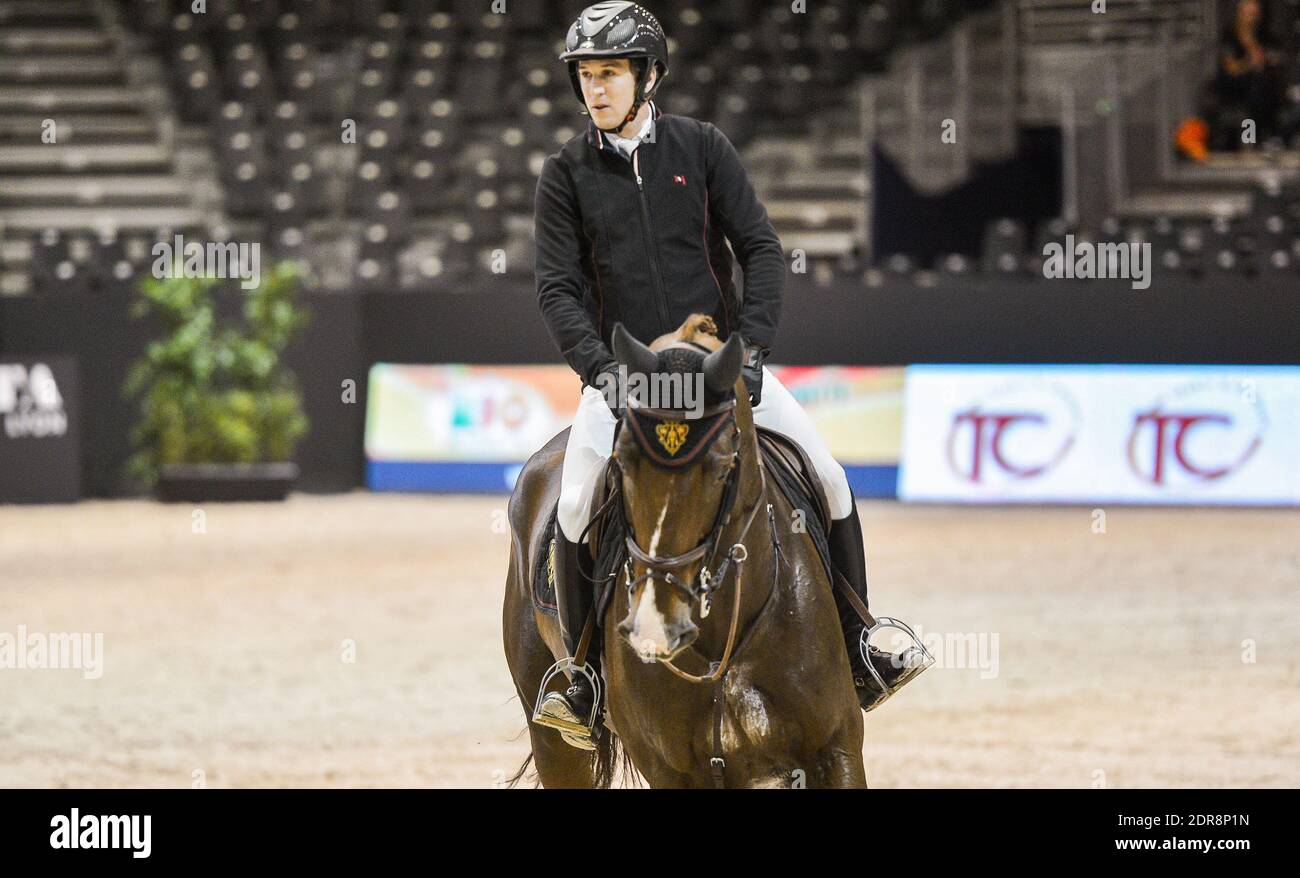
{"x": 543, "y": 573}
{"x": 796, "y": 491}
{"x": 609, "y": 557}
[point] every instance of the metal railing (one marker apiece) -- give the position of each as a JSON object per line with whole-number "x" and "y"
{"x": 1074, "y": 22}
{"x": 1118, "y": 132}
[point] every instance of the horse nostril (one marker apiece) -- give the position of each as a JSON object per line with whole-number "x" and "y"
{"x": 683, "y": 638}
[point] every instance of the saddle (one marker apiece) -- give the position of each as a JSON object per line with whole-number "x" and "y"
{"x": 787, "y": 464}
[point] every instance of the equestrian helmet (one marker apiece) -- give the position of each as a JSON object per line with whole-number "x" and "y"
{"x": 618, "y": 29}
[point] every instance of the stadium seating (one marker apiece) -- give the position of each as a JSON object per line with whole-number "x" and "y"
{"x": 397, "y": 142}
{"x": 453, "y": 110}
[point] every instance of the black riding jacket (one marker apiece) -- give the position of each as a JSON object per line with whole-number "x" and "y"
{"x": 651, "y": 252}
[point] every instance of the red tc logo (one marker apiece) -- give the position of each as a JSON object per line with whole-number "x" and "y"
{"x": 987, "y": 431}
{"x": 1169, "y": 434}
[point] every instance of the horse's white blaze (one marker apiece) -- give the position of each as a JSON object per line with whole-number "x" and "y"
{"x": 649, "y": 628}
{"x": 649, "y": 634}
{"x": 659, "y": 525}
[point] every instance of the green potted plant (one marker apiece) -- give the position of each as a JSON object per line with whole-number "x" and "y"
{"x": 219, "y": 415}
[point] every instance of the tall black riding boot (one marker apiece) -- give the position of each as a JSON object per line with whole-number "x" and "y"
{"x": 574, "y": 711}
{"x": 890, "y": 671}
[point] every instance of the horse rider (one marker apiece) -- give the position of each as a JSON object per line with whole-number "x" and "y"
{"x": 632, "y": 223}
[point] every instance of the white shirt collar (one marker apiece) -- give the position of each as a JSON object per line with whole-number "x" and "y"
{"x": 633, "y": 142}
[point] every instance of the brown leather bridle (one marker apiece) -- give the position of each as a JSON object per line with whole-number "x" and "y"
{"x": 708, "y": 582}
{"x": 662, "y": 567}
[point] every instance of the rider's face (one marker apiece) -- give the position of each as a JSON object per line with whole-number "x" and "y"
{"x": 608, "y": 87}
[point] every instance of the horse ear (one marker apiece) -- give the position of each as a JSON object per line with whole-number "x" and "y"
{"x": 631, "y": 353}
{"x": 722, "y": 367}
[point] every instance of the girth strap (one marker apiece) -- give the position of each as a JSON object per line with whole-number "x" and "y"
{"x": 718, "y": 765}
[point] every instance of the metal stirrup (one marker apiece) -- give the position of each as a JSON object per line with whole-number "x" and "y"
{"x": 568, "y": 666}
{"x": 864, "y": 641}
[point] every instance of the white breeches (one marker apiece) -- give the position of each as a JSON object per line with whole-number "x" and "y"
{"x": 591, "y": 441}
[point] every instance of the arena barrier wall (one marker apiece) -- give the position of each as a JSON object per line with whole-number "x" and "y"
{"x": 464, "y": 428}
{"x": 1213, "y": 435}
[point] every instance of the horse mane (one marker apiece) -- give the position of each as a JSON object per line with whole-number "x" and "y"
{"x": 699, "y": 329}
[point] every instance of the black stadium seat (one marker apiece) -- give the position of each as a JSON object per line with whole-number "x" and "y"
{"x": 456, "y": 109}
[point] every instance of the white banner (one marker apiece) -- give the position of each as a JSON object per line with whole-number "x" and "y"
{"x": 1092, "y": 434}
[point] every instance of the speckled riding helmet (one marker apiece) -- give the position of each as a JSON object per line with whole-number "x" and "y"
{"x": 618, "y": 29}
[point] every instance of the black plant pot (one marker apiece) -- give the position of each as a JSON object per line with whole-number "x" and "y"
{"x": 225, "y": 482}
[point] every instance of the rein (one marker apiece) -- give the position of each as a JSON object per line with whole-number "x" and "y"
{"x": 738, "y": 553}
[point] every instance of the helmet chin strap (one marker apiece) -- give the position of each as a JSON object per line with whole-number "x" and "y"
{"x": 636, "y": 108}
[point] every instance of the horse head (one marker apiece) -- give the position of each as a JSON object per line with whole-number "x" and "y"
{"x": 680, "y": 476}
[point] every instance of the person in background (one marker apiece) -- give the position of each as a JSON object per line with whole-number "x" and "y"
{"x": 1249, "y": 84}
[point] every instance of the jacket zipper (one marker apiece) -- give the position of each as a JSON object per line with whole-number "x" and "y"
{"x": 652, "y": 256}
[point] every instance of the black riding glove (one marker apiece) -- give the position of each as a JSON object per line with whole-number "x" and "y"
{"x": 752, "y": 372}
{"x": 607, "y": 382}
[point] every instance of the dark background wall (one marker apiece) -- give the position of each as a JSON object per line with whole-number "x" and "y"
{"x": 1214, "y": 319}
{"x": 96, "y": 329}
{"x": 1026, "y": 187}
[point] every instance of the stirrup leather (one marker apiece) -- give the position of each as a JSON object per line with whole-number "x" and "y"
{"x": 864, "y": 640}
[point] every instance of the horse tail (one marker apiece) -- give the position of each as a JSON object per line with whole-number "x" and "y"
{"x": 513, "y": 780}
{"x": 605, "y": 758}
{"x": 609, "y": 760}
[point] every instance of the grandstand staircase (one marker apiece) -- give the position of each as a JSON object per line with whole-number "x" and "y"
{"x": 1116, "y": 83}
{"x": 1065, "y": 46}
{"x": 817, "y": 189}
{"x": 113, "y": 162}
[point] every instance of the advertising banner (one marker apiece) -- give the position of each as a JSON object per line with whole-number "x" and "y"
{"x": 471, "y": 428}
{"x": 1091, "y": 434}
{"x": 40, "y": 430}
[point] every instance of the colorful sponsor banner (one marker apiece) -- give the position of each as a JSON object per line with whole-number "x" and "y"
{"x": 1091, "y": 434}
{"x": 471, "y": 428}
{"x": 858, "y": 410}
{"x": 477, "y": 414}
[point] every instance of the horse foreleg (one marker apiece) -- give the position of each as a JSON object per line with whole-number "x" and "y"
{"x": 842, "y": 768}
{"x": 557, "y": 764}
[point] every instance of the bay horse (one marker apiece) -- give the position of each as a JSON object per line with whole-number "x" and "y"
{"x": 729, "y": 668}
